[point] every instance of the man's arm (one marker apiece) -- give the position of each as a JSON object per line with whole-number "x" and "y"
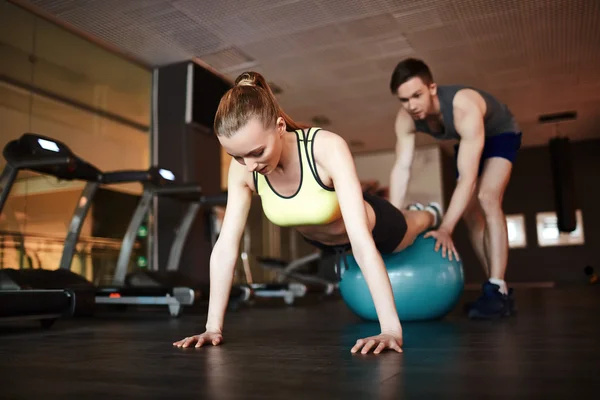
{"x": 405, "y": 146}
{"x": 468, "y": 117}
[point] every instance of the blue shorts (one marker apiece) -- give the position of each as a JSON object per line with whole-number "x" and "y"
{"x": 505, "y": 145}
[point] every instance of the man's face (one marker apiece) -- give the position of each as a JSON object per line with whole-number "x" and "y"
{"x": 417, "y": 97}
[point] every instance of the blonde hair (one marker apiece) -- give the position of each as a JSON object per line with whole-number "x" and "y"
{"x": 250, "y": 97}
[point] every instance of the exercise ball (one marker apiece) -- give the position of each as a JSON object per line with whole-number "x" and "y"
{"x": 426, "y": 286}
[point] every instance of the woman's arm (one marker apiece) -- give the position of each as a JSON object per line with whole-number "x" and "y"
{"x": 225, "y": 252}
{"x": 332, "y": 153}
{"x": 224, "y": 255}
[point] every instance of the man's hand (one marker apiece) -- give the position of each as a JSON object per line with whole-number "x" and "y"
{"x": 444, "y": 240}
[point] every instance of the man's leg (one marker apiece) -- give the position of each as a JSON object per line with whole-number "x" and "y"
{"x": 495, "y": 301}
{"x": 495, "y": 178}
{"x": 475, "y": 221}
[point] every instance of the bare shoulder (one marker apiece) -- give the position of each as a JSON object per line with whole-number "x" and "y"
{"x": 327, "y": 143}
{"x": 239, "y": 176}
{"x": 325, "y": 135}
{"x": 469, "y": 113}
{"x": 330, "y": 149}
{"x": 467, "y": 101}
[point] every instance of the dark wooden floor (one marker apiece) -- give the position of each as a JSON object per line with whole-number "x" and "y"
{"x": 550, "y": 350}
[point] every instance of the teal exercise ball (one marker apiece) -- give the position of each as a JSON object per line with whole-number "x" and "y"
{"x": 426, "y": 286}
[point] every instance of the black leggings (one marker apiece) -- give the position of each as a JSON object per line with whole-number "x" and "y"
{"x": 388, "y": 232}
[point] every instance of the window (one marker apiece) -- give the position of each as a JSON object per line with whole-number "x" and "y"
{"x": 515, "y": 225}
{"x": 549, "y": 235}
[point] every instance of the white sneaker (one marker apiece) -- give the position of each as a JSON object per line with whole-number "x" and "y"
{"x": 415, "y": 207}
{"x": 436, "y": 210}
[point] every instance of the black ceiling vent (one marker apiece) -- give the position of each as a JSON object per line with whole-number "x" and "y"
{"x": 356, "y": 144}
{"x": 321, "y": 120}
{"x": 276, "y": 89}
{"x": 557, "y": 117}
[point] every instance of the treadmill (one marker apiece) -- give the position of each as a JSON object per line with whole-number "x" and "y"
{"x": 45, "y": 306}
{"x": 192, "y": 195}
{"x": 19, "y": 298}
{"x": 48, "y": 156}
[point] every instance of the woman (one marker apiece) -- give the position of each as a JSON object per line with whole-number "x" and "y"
{"x": 306, "y": 179}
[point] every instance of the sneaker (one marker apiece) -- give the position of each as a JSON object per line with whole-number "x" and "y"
{"x": 436, "y": 210}
{"x": 511, "y": 302}
{"x": 491, "y": 304}
{"x": 415, "y": 207}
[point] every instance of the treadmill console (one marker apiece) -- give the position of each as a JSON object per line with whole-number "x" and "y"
{"x": 48, "y": 156}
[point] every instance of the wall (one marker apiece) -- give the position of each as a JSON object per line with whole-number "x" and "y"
{"x": 426, "y": 183}
{"x": 531, "y": 191}
{"x": 54, "y": 83}
{"x": 106, "y": 144}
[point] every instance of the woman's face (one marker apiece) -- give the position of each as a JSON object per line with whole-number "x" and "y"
{"x": 257, "y": 148}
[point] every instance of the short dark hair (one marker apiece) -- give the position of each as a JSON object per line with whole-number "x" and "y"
{"x": 408, "y": 69}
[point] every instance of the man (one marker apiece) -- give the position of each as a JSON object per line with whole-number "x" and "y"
{"x": 488, "y": 140}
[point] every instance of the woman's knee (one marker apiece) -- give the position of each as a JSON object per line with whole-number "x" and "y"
{"x": 418, "y": 221}
{"x": 407, "y": 241}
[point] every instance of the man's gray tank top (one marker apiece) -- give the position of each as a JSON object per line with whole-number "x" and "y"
{"x": 498, "y": 118}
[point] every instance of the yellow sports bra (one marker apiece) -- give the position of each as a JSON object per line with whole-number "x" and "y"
{"x": 312, "y": 204}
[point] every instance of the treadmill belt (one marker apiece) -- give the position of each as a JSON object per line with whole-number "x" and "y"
{"x": 134, "y": 291}
{"x": 26, "y": 303}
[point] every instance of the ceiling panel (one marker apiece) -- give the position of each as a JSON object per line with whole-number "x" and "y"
{"x": 340, "y": 10}
{"x": 473, "y": 9}
{"x": 335, "y": 57}
{"x": 382, "y": 25}
{"x": 418, "y": 19}
{"x": 436, "y": 38}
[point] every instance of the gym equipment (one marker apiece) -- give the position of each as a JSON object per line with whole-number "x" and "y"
{"x": 29, "y": 304}
{"x": 287, "y": 291}
{"x": 50, "y": 157}
{"x": 174, "y": 297}
{"x": 426, "y": 286}
{"x": 292, "y": 270}
{"x": 120, "y": 293}
{"x": 592, "y": 276}
{"x": 43, "y": 155}
{"x": 144, "y": 278}
{"x": 563, "y": 179}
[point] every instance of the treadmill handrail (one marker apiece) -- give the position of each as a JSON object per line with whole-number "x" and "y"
{"x": 36, "y": 162}
{"x": 127, "y": 176}
{"x": 214, "y": 200}
{"x": 175, "y": 189}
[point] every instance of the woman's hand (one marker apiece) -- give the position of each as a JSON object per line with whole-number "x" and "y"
{"x": 215, "y": 338}
{"x": 383, "y": 341}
